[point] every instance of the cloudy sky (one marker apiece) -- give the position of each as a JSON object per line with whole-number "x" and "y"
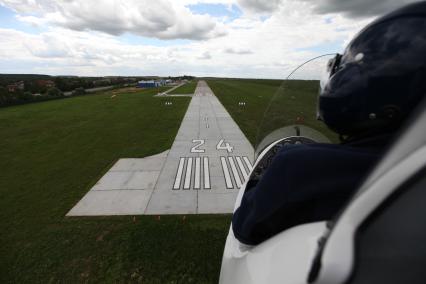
{"x": 226, "y": 38}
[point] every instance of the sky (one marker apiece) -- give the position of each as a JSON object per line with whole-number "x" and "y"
{"x": 222, "y": 38}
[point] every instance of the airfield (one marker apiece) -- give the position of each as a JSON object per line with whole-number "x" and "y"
{"x": 208, "y": 162}
{"x": 55, "y": 154}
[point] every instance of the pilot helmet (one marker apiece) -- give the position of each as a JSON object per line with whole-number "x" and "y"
{"x": 381, "y": 76}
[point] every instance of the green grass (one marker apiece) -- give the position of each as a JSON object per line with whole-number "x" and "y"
{"x": 51, "y": 153}
{"x": 293, "y": 103}
{"x": 188, "y": 88}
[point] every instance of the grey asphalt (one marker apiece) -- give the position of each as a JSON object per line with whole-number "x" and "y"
{"x": 201, "y": 173}
{"x": 166, "y": 93}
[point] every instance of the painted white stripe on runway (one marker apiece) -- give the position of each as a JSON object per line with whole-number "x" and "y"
{"x": 187, "y": 184}
{"x": 235, "y": 172}
{"x": 179, "y": 174}
{"x": 248, "y": 163}
{"x": 197, "y": 177}
{"x": 242, "y": 168}
{"x": 206, "y": 173}
{"x": 228, "y": 180}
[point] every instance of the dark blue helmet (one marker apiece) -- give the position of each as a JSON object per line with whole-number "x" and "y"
{"x": 381, "y": 76}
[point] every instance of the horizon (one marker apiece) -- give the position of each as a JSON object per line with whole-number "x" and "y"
{"x": 205, "y": 38}
{"x": 153, "y": 76}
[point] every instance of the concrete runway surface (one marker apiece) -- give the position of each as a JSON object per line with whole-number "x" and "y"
{"x": 201, "y": 173}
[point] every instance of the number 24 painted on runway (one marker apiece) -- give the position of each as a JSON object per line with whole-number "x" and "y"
{"x": 220, "y": 146}
{"x": 196, "y": 149}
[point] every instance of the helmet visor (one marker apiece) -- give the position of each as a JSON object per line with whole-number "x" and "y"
{"x": 332, "y": 66}
{"x": 291, "y": 111}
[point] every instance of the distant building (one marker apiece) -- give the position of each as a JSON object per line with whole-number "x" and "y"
{"x": 102, "y": 82}
{"x": 151, "y": 83}
{"x": 16, "y": 86}
{"x": 12, "y": 88}
{"x": 46, "y": 83}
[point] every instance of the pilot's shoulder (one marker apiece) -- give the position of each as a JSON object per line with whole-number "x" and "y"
{"x": 319, "y": 153}
{"x": 308, "y": 149}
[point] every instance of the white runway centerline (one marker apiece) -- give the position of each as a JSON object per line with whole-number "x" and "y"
{"x": 209, "y": 161}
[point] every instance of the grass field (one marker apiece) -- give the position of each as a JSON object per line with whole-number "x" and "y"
{"x": 51, "y": 154}
{"x": 188, "y": 88}
{"x": 293, "y": 103}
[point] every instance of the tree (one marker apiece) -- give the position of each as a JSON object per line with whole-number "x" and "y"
{"x": 79, "y": 92}
{"x": 4, "y": 96}
{"x": 24, "y": 96}
{"x": 54, "y": 92}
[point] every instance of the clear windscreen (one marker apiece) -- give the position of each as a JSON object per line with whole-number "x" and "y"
{"x": 292, "y": 111}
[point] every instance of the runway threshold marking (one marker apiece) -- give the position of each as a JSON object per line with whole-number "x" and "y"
{"x": 242, "y": 168}
{"x": 197, "y": 170}
{"x": 179, "y": 173}
{"x": 206, "y": 173}
{"x": 187, "y": 183}
{"x": 197, "y": 177}
{"x": 248, "y": 163}
{"x": 226, "y": 173}
{"x": 235, "y": 172}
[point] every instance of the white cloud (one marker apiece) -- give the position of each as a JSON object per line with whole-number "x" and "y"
{"x": 49, "y": 47}
{"x": 162, "y": 19}
{"x": 240, "y": 51}
{"x": 260, "y": 6}
{"x": 205, "y": 55}
{"x": 358, "y": 8}
{"x": 77, "y": 41}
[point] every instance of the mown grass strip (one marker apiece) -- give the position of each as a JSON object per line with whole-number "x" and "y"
{"x": 51, "y": 154}
{"x": 293, "y": 102}
{"x": 187, "y": 89}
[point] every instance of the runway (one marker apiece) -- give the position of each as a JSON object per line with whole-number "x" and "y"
{"x": 201, "y": 173}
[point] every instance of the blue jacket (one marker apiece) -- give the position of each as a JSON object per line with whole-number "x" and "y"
{"x": 303, "y": 184}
